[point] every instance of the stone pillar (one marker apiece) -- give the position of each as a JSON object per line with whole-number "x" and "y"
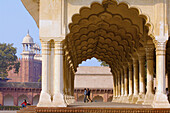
{"x": 16, "y": 100}
{"x": 136, "y": 75}
{"x": 160, "y": 98}
{"x": 149, "y": 57}
{"x": 122, "y": 82}
{"x": 72, "y": 84}
{"x": 118, "y": 76}
{"x": 125, "y": 91}
{"x": 58, "y": 98}
{"x": 130, "y": 78}
{"x": 116, "y": 80}
{"x": 125, "y": 81}
{"x": 122, "y": 85}
{"x": 114, "y": 88}
{"x": 45, "y": 98}
{"x": 141, "y": 77}
{"x": 135, "y": 79}
{"x": 1, "y": 98}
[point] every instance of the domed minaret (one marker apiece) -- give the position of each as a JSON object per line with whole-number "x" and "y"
{"x": 27, "y": 63}
{"x": 28, "y": 43}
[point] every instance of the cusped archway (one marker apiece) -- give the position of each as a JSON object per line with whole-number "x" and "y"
{"x": 111, "y": 31}
{"x": 110, "y": 99}
{"x": 36, "y": 99}
{"x": 80, "y": 98}
{"x": 21, "y": 98}
{"x": 8, "y": 100}
{"x": 98, "y": 98}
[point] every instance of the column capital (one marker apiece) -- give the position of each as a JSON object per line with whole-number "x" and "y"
{"x": 125, "y": 64}
{"x": 125, "y": 68}
{"x": 45, "y": 48}
{"x": 135, "y": 62}
{"x": 160, "y": 47}
{"x": 141, "y": 52}
{"x": 58, "y": 48}
{"x": 130, "y": 66}
{"x": 149, "y": 51}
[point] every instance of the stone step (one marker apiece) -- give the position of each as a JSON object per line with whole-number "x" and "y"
{"x": 28, "y": 109}
{"x": 100, "y": 110}
{"x": 91, "y": 110}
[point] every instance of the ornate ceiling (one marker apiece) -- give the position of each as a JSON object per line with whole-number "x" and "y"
{"x": 109, "y": 31}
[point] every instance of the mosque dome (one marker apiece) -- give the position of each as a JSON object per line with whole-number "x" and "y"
{"x": 28, "y": 39}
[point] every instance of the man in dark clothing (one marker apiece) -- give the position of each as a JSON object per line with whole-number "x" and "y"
{"x": 85, "y": 95}
{"x": 88, "y": 95}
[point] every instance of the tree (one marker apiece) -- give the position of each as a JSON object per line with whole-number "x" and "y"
{"x": 8, "y": 59}
{"x": 103, "y": 63}
{"x": 40, "y": 78}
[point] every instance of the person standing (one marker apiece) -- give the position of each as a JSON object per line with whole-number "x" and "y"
{"x": 88, "y": 95}
{"x": 85, "y": 95}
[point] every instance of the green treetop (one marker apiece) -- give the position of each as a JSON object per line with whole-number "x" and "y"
{"x": 8, "y": 59}
{"x": 103, "y": 63}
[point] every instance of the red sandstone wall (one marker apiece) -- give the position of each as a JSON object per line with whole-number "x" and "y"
{"x": 16, "y": 77}
{"x": 29, "y": 71}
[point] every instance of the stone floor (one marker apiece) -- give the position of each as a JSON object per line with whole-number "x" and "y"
{"x": 95, "y": 107}
{"x": 109, "y": 104}
{"x": 8, "y": 111}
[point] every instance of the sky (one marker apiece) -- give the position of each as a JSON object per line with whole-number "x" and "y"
{"x": 15, "y": 21}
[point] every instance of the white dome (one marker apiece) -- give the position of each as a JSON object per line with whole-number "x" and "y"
{"x": 28, "y": 39}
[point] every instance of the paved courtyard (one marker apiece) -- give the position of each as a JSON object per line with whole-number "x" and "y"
{"x": 109, "y": 104}
{"x": 79, "y": 105}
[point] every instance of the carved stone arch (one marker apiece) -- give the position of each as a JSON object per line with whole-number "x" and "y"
{"x": 80, "y": 98}
{"x": 36, "y": 99}
{"x": 98, "y": 98}
{"x": 21, "y": 97}
{"x": 99, "y": 28}
{"x": 8, "y": 100}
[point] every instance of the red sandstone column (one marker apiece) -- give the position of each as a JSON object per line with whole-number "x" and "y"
{"x": 1, "y": 98}
{"x": 16, "y": 100}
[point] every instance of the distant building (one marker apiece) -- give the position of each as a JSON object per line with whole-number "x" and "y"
{"x": 30, "y": 63}
{"x": 98, "y": 79}
{"x": 25, "y": 85}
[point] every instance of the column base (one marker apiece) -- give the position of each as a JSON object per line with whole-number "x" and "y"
{"x": 135, "y": 99}
{"x": 114, "y": 99}
{"x": 121, "y": 99}
{"x": 45, "y": 100}
{"x": 58, "y": 100}
{"x": 69, "y": 99}
{"x": 160, "y": 101}
{"x": 125, "y": 99}
{"x": 117, "y": 99}
{"x": 149, "y": 97}
{"x": 141, "y": 98}
{"x": 130, "y": 98}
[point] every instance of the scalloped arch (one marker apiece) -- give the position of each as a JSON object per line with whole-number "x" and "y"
{"x": 110, "y": 31}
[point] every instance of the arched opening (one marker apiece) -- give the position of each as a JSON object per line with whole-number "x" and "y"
{"x": 98, "y": 79}
{"x": 21, "y": 98}
{"x": 98, "y": 98}
{"x": 116, "y": 34}
{"x": 35, "y": 100}
{"x": 80, "y": 98}
{"x": 110, "y": 99}
{"x": 8, "y": 100}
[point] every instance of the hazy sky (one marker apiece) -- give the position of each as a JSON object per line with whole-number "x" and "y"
{"x": 15, "y": 21}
